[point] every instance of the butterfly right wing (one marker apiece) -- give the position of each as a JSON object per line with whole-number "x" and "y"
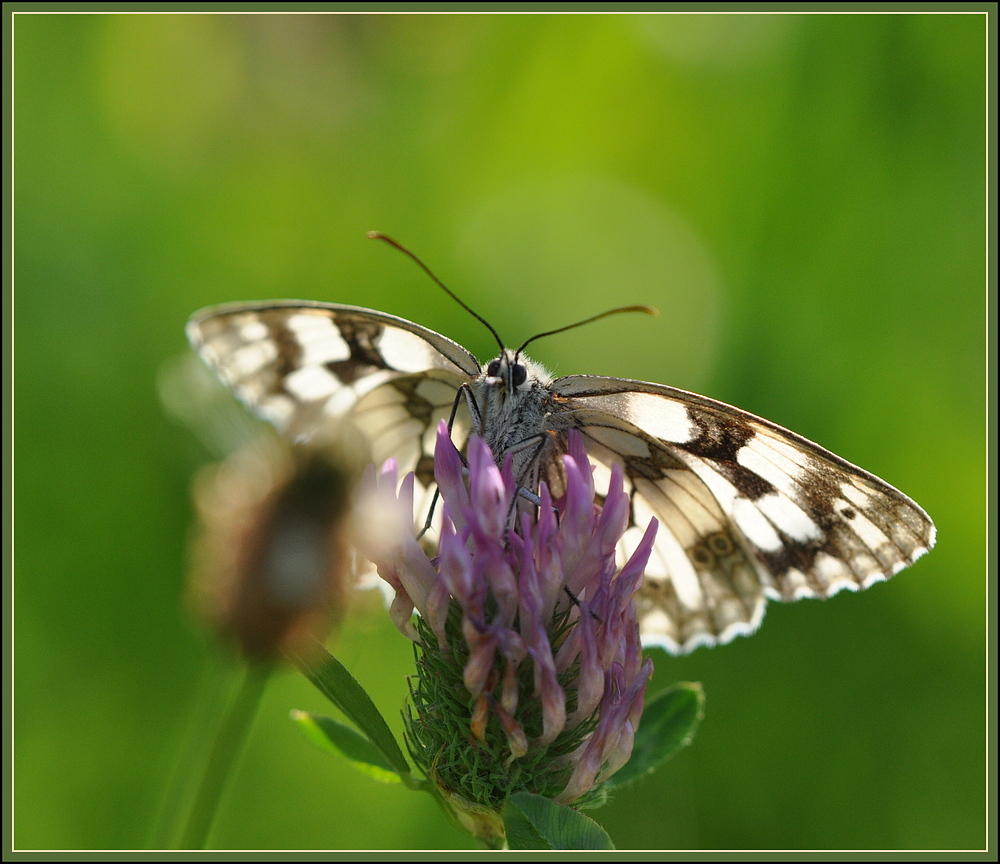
{"x": 748, "y": 509}
{"x": 300, "y": 364}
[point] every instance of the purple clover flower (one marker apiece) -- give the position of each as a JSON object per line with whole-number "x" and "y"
{"x": 530, "y": 670}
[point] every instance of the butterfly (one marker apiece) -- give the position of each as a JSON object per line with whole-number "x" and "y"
{"x": 748, "y": 511}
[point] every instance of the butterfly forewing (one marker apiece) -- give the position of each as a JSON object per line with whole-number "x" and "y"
{"x": 747, "y": 509}
{"x": 299, "y": 364}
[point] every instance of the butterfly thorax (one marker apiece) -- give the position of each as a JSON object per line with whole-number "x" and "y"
{"x": 512, "y": 395}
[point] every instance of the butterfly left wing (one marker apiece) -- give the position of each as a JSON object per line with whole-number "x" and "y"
{"x": 301, "y": 365}
{"x": 748, "y": 509}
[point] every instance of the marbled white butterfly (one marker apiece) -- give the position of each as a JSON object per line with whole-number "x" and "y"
{"x": 747, "y": 509}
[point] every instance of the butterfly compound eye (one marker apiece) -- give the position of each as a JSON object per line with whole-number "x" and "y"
{"x": 493, "y": 369}
{"x": 518, "y": 375}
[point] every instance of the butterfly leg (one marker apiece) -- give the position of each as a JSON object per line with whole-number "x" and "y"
{"x": 575, "y": 601}
{"x": 536, "y": 442}
{"x": 463, "y": 392}
{"x": 523, "y": 490}
{"x": 430, "y": 513}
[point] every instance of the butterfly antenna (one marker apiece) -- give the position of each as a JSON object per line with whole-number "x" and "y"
{"x": 646, "y": 310}
{"x": 378, "y": 235}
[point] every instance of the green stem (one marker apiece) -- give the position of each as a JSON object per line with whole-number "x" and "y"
{"x": 206, "y": 712}
{"x": 226, "y": 749}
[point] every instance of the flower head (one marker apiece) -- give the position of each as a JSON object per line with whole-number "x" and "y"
{"x": 530, "y": 670}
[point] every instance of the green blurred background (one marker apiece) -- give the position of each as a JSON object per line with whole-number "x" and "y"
{"x": 802, "y": 197}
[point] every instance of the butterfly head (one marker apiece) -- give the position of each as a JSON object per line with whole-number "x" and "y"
{"x": 509, "y": 397}
{"x": 508, "y": 370}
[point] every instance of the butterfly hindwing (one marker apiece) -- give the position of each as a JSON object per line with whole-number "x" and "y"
{"x": 700, "y": 586}
{"x": 400, "y": 420}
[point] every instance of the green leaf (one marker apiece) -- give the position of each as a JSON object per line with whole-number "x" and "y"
{"x": 534, "y": 822}
{"x": 335, "y": 737}
{"x": 330, "y": 677}
{"x": 668, "y": 723}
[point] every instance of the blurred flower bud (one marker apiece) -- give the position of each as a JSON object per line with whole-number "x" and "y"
{"x": 271, "y": 560}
